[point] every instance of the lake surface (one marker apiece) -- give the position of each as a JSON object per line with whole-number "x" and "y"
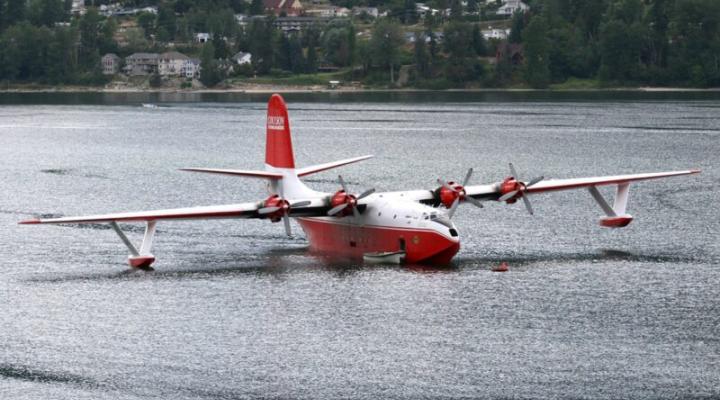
{"x": 234, "y": 309}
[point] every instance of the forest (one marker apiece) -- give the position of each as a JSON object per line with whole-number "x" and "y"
{"x": 555, "y": 43}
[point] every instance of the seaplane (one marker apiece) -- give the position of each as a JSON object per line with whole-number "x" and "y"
{"x": 413, "y": 226}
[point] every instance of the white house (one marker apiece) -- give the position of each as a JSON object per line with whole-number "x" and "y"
{"x": 371, "y": 11}
{"x": 495, "y": 33}
{"x": 510, "y": 6}
{"x": 242, "y": 58}
{"x": 110, "y": 64}
{"x": 78, "y": 7}
{"x": 202, "y": 37}
{"x": 191, "y": 68}
{"x": 172, "y": 63}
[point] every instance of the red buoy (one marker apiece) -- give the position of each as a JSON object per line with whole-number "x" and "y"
{"x": 503, "y": 267}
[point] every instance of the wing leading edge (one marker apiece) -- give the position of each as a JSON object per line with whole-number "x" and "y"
{"x": 242, "y": 210}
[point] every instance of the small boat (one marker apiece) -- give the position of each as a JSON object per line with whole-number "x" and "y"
{"x": 385, "y": 257}
{"x": 149, "y": 105}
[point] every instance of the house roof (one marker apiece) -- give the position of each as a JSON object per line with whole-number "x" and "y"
{"x": 111, "y": 55}
{"x": 143, "y": 56}
{"x": 173, "y": 55}
{"x": 241, "y": 54}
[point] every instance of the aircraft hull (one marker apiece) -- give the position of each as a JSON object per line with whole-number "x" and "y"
{"x": 336, "y": 237}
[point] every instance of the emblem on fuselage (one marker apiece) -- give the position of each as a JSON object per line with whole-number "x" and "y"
{"x": 276, "y": 122}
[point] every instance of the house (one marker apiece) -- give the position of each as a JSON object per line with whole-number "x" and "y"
{"x": 141, "y": 63}
{"x": 191, "y": 68}
{"x": 371, "y": 11}
{"x": 110, "y": 63}
{"x": 290, "y": 25}
{"x": 78, "y": 7}
{"x": 498, "y": 34}
{"x": 203, "y": 37}
{"x": 510, "y": 6}
{"x": 172, "y": 63}
{"x": 242, "y": 58}
{"x": 291, "y": 8}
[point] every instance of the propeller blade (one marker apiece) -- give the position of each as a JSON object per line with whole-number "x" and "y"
{"x": 467, "y": 177}
{"x": 446, "y": 186}
{"x": 527, "y": 205}
{"x": 356, "y": 213}
{"x": 366, "y": 193}
{"x": 473, "y": 201}
{"x": 268, "y": 210}
{"x": 508, "y": 195}
{"x": 453, "y": 207}
{"x": 534, "y": 181}
{"x": 342, "y": 183}
{"x": 286, "y": 220}
{"x": 513, "y": 172}
{"x": 337, "y": 209}
{"x": 301, "y": 204}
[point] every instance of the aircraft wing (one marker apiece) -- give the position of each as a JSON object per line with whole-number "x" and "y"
{"x": 241, "y": 210}
{"x": 565, "y": 184}
{"x": 494, "y": 191}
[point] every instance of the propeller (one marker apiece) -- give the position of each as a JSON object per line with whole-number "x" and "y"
{"x": 451, "y": 194}
{"x": 276, "y": 208}
{"x": 512, "y": 188}
{"x": 342, "y": 200}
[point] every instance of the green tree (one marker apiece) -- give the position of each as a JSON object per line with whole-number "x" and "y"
{"x": 518, "y": 24}
{"x": 461, "y": 65}
{"x": 210, "y": 74}
{"x": 46, "y": 12}
{"x": 256, "y": 7}
{"x": 15, "y": 11}
{"x": 537, "y": 70}
{"x": 90, "y": 30}
{"x": 311, "y": 59}
{"x": 456, "y": 10}
{"x": 146, "y": 21}
{"x": 385, "y": 43}
{"x": 336, "y": 45}
{"x": 262, "y": 38}
{"x": 422, "y": 58}
{"x": 478, "y": 41}
{"x": 166, "y": 22}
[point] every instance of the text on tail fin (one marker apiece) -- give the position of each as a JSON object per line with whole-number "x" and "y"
{"x": 278, "y": 150}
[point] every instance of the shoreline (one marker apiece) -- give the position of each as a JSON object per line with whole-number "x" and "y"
{"x": 269, "y": 89}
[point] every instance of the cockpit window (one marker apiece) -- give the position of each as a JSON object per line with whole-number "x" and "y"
{"x": 445, "y": 221}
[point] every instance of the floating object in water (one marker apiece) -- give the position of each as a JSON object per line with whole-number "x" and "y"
{"x": 149, "y": 105}
{"x": 503, "y": 267}
{"x": 385, "y": 257}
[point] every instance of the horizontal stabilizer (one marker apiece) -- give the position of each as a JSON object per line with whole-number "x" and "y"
{"x": 237, "y": 172}
{"x": 323, "y": 167}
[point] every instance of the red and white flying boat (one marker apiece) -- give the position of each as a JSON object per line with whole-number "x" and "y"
{"x": 416, "y": 223}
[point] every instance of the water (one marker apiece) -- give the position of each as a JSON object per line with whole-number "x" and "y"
{"x": 235, "y": 309}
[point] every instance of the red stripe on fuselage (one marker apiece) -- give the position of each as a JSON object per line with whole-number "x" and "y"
{"x": 421, "y": 245}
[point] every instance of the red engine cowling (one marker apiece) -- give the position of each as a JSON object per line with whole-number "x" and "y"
{"x": 510, "y": 184}
{"x": 277, "y": 201}
{"x": 340, "y": 197}
{"x": 447, "y": 196}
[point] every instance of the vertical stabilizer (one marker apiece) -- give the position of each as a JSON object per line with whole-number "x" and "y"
{"x": 278, "y": 150}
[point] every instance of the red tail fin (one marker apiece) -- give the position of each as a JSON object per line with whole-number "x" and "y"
{"x": 278, "y": 149}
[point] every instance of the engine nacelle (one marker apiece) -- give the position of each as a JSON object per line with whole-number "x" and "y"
{"x": 277, "y": 201}
{"x": 340, "y": 197}
{"x": 508, "y": 185}
{"x": 619, "y": 221}
{"x": 447, "y": 197}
